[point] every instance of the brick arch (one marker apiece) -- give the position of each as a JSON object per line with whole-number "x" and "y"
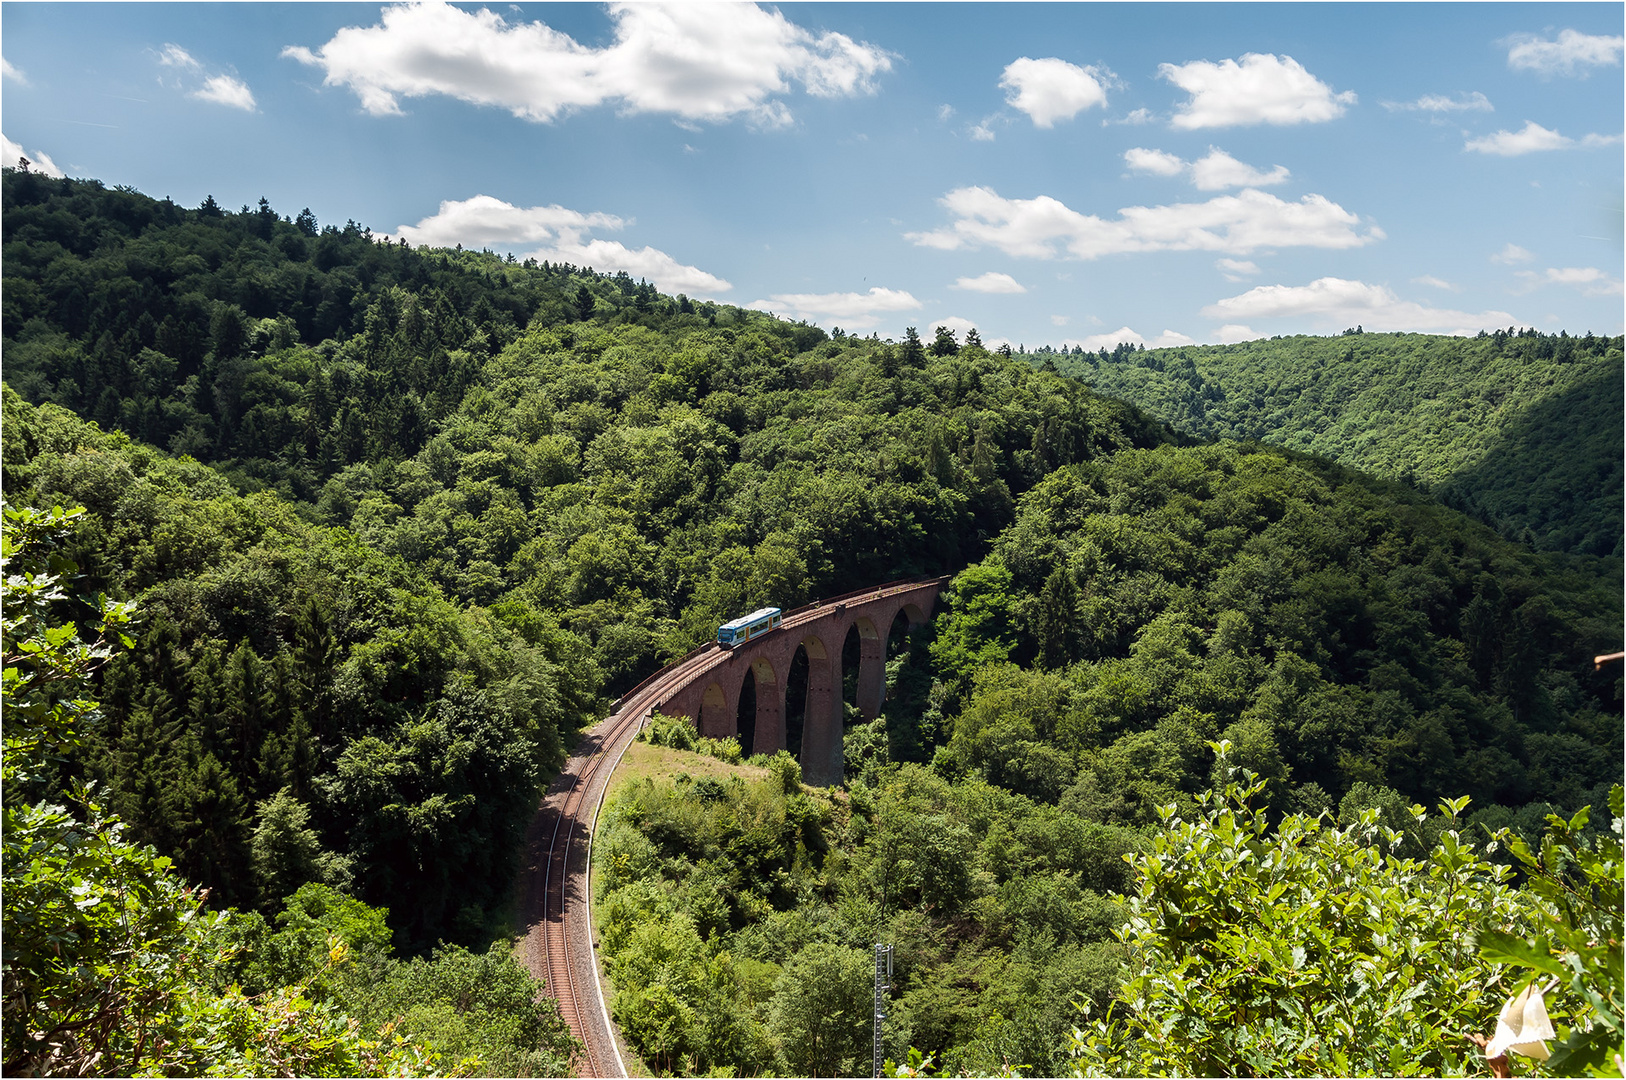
{"x": 821, "y": 719}
{"x": 716, "y": 719}
{"x": 871, "y": 665}
{"x": 768, "y": 734}
{"x": 711, "y": 696}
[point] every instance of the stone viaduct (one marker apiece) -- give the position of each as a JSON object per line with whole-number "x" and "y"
{"x": 712, "y": 697}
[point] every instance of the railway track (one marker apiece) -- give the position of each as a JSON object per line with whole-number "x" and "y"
{"x": 558, "y": 946}
{"x": 563, "y": 981}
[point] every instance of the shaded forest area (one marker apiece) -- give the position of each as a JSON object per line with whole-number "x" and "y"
{"x": 1517, "y": 428}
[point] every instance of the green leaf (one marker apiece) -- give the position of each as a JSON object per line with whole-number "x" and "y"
{"x": 1582, "y": 1052}
{"x": 1501, "y": 948}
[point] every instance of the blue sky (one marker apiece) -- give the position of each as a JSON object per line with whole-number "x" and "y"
{"x": 1051, "y": 174}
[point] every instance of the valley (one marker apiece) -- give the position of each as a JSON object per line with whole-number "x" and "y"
{"x": 397, "y": 526}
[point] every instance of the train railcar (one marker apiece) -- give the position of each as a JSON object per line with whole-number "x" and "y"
{"x": 746, "y": 627}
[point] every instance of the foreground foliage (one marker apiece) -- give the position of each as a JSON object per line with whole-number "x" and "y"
{"x": 1576, "y": 939}
{"x": 1300, "y": 948}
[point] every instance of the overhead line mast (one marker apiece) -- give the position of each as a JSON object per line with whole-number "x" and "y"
{"x": 883, "y": 987}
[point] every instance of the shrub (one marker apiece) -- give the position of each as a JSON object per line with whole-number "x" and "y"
{"x": 1302, "y": 948}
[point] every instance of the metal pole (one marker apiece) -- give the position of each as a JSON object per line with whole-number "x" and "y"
{"x": 883, "y": 986}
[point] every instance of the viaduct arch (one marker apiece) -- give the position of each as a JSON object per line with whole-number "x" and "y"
{"x": 711, "y": 696}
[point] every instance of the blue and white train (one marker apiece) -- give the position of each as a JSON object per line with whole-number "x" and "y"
{"x": 746, "y": 627}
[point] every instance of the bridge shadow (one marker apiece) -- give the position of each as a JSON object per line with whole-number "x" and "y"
{"x": 796, "y": 703}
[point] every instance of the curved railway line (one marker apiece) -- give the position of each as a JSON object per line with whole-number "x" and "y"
{"x": 556, "y": 901}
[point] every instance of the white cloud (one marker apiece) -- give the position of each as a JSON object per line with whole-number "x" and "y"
{"x": 1336, "y": 301}
{"x": 176, "y": 57}
{"x": 1059, "y": 320}
{"x": 1572, "y": 53}
{"x": 1511, "y": 254}
{"x": 1220, "y": 170}
{"x": 487, "y": 222}
{"x": 1045, "y": 228}
{"x": 981, "y": 132}
{"x": 220, "y": 88}
{"x": 858, "y": 310}
{"x": 668, "y": 275}
{"x": 1168, "y": 339}
{"x": 1108, "y": 341}
{"x": 1589, "y": 279}
{"x": 1232, "y": 333}
{"x": 1262, "y": 89}
{"x": 1156, "y": 162}
{"x": 1237, "y": 269}
{"x": 1534, "y": 138}
{"x": 1135, "y": 116}
{"x": 991, "y": 282}
{"x": 945, "y": 113}
{"x": 225, "y": 90}
{"x": 954, "y": 323}
{"x": 1052, "y": 89}
{"x": 1216, "y": 172}
{"x": 695, "y": 61}
{"x": 38, "y": 161}
{"x": 9, "y": 72}
{"x": 1438, "y": 103}
{"x": 1436, "y": 283}
{"x": 1584, "y": 276}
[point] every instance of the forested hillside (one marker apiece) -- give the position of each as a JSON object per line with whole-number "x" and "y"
{"x": 393, "y": 524}
{"x": 1337, "y": 630}
{"x": 114, "y": 965}
{"x": 1355, "y": 645}
{"x": 1518, "y": 428}
{"x": 394, "y": 624}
